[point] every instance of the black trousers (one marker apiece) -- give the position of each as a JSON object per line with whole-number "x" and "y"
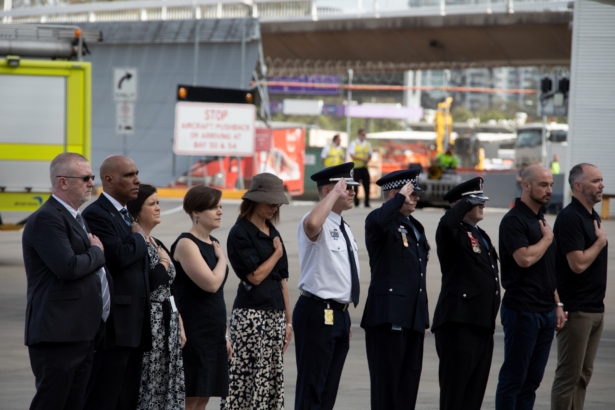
{"x": 320, "y": 352}
{"x": 115, "y": 381}
{"x": 61, "y": 372}
{"x": 465, "y": 353}
{"x": 395, "y": 360}
{"x": 361, "y": 174}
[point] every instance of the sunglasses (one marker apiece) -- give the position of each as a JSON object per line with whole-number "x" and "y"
{"x": 84, "y": 179}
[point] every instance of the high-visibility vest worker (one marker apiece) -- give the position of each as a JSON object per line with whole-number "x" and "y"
{"x": 332, "y": 155}
{"x": 362, "y": 149}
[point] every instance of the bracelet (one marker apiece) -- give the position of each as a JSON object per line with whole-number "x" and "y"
{"x": 560, "y": 304}
{"x": 163, "y": 259}
{"x": 289, "y": 325}
{"x": 227, "y": 338}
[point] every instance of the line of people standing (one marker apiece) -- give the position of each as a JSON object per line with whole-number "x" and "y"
{"x": 110, "y": 308}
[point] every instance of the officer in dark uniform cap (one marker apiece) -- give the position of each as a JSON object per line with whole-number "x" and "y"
{"x": 329, "y": 283}
{"x": 396, "y": 314}
{"x": 464, "y": 320}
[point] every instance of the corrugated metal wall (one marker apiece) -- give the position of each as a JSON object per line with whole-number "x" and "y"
{"x": 592, "y": 102}
{"x": 163, "y": 53}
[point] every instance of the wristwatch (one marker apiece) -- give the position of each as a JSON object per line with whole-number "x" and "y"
{"x": 560, "y": 304}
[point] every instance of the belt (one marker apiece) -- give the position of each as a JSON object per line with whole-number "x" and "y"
{"x": 342, "y": 307}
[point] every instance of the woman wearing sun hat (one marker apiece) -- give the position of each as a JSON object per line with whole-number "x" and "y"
{"x": 261, "y": 322}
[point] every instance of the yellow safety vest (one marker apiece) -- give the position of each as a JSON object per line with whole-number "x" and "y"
{"x": 362, "y": 150}
{"x": 555, "y": 168}
{"x": 335, "y": 156}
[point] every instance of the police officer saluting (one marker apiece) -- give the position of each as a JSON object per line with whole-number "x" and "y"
{"x": 464, "y": 320}
{"x": 329, "y": 282}
{"x": 396, "y": 314}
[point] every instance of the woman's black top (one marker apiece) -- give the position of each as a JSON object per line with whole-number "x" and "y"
{"x": 248, "y": 247}
{"x": 204, "y": 317}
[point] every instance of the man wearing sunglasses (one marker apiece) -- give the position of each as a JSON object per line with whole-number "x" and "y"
{"x": 68, "y": 288}
{"x": 117, "y": 372}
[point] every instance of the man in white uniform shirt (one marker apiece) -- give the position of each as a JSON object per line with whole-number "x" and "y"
{"x": 329, "y": 282}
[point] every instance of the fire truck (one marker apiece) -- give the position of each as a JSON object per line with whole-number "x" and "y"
{"x": 44, "y": 110}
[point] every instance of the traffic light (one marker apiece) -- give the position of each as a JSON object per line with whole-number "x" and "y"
{"x": 553, "y": 95}
{"x": 215, "y": 95}
{"x": 546, "y": 85}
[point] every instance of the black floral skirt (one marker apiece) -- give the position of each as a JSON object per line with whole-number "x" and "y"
{"x": 256, "y": 369}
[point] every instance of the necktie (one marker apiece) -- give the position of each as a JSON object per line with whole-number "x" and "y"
{"x": 127, "y": 217}
{"x": 104, "y": 285}
{"x": 354, "y": 273}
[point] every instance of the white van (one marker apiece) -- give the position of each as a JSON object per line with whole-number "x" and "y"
{"x": 528, "y": 149}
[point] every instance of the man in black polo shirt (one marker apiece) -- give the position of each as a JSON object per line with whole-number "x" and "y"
{"x": 581, "y": 262}
{"x": 531, "y": 308}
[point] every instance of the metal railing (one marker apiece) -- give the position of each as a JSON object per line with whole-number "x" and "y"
{"x": 266, "y": 10}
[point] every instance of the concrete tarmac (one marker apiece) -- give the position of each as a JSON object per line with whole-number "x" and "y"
{"x": 17, "y": 382}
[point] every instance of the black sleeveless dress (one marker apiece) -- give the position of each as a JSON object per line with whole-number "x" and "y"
{"x": 204, "y": 317}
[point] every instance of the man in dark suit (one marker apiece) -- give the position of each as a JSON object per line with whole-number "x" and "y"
{"x": 68, "y": 288}
{"x": 396, "y": 313}
{"x": 464, "y": 320}
{"x": 117, "y": 372}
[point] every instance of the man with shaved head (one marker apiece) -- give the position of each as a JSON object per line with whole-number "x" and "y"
{"x": 581, "y": 261}
{"x": 531, "y": 309}
{"x": 117, "y": 372}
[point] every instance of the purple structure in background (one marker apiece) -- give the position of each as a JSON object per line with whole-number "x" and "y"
{"x": 308, "y": 79}
{"x": 385, "y": 111}
{"x": 363, "y": 111}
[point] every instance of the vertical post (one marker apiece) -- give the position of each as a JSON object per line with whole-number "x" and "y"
{"x": 544, "y": 141}
{"x": 348, "y": 101}
{"x": 195, "y": 67}
{"x": 124, "y": 146}
{"x": 195, "y": 73}
{"x": 314, "y": 10}
{"x": 447, "y": 131}
{"x": 243, "y": 53}
{"x": 442, "y": 7}
{"x": 239, "y": 184}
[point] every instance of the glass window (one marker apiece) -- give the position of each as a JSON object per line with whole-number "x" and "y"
{"x": 529, "y": 138}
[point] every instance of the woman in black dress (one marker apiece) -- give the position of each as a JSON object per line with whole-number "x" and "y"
{"x": 198, "y": 289}
{"x": 261, "y": 323}
{"x": 162, "y": 373}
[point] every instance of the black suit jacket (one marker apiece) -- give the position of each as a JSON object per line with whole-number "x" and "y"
{"x": 127, "y": 260}
{"x": 64, "y": 291}
{"x": 470, "y": 290}
{"x": 397, "y": 293}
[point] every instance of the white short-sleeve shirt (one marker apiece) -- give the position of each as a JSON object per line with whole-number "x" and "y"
{"x": 325, "y": 267}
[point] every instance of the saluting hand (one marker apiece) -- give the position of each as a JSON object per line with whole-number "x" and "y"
{"x": 546, "y": 230}
{"x": 94, "y": 241}
{"x": 407, "y": 190}
{"x": 340, "y": 188}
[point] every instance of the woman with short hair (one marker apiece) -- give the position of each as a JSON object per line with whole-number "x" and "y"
{"x": 261, "y": 322}
{"x": 199, "y": 290}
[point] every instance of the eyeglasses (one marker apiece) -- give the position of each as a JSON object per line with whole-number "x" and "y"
{"x": 84, "y": 179}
